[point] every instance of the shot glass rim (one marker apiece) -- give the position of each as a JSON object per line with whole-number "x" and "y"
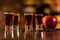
{"x": 38, "y": 14}
{"x": 28, "y": 13}
{"x": 16, "y": 14}
{"x": 8, "y": 13}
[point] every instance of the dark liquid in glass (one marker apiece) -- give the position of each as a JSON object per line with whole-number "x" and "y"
{"x": 28, "y": 19}
{"x": 38, "y": 19}
{"x": 9, "y": 18}
{"x": 15, "y": 20}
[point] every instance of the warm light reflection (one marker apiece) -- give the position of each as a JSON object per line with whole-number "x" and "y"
{"x": 58, "y": 25}
{"x": 47, "y": 11}
{"x": 29, "y": 2}
{"x": 58, "y": 5}
{"x": 47, "y": 1}
{"x": 54, "y": 19}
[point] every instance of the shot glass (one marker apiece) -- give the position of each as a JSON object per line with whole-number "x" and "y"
{"x": 17, "y": 23}
{"x": 8, "y": 24}
{"x": 28, "y": 21}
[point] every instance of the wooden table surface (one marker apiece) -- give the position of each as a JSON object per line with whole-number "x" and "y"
{"x": 52, "y": 35}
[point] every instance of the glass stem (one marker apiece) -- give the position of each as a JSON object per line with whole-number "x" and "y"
{"x": 30, "y": 27}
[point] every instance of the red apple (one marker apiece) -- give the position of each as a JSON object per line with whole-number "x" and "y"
{"x": 49, "y": 22}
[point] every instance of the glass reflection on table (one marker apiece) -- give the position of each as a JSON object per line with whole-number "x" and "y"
{"x": 52, "y": 35}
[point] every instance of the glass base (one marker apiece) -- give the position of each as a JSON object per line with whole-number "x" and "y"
{"x": 28, "y": 28}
